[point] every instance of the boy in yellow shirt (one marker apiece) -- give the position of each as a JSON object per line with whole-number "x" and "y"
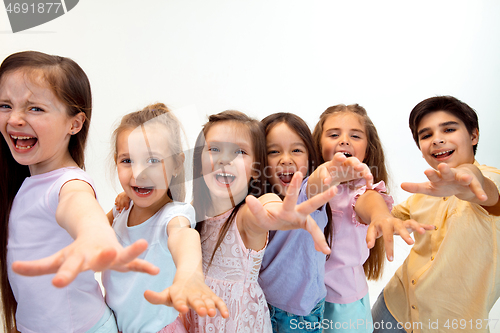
{"x": 451, "y": 278}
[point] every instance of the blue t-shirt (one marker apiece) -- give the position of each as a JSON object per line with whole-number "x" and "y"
{"x": 125, "y": 291}
{"x": 292, "y": 271}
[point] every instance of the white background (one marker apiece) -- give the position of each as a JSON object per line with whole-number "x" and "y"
{"x": 261, "y": 57}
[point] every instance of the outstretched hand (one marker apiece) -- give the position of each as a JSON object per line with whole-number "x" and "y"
{"x": 189, "y": 293}
{"x": 286, "y": 215}
{"x": 465, "y": 182}
{"x": 342, "y": 168}
{"x": 87, "y": 253}
{"x": 388, "y": 226}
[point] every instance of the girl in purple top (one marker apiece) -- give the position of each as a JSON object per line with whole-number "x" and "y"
{"x": 348, "y": 130}
{"x": 51, "y": 221}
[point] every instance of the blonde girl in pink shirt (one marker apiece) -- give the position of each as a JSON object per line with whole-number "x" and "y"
{"x": 349, "y": 131}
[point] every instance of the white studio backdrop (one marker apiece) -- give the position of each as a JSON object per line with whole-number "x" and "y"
{"x": 260, "y": 57}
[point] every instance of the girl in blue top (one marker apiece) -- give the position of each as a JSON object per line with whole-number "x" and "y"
{"x": 150, "y": 163}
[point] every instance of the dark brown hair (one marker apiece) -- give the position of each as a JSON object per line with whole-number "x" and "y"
{"x": 201, "y": 195}
{"x": 448, "y": 104}
{"x": 158, "y": 113}
{"x": 70, "y": 85}
{"x": 375, "y": 159}
{"x": 299, "y": 126}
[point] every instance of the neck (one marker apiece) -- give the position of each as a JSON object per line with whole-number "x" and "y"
{"x": 139, "y": 215}
{"x": 52, "y": 164}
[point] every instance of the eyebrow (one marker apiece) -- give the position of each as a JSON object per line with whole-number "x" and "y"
{"x": 242, "y": 145}
{"x": 298, "y": 143}
{"x": 448, "y": 123}
{"x": 352, "y": 129}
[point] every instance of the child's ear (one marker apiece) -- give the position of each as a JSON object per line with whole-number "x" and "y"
{"x": 179, "y": 160}
{"x": 77, "y": 123}
{"x": 475, "y": 136}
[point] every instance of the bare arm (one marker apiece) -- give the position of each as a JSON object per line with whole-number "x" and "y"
{"x": 95, "y": 245}
{"x": 188, "y": 289}
{"x": 372, "y": 209}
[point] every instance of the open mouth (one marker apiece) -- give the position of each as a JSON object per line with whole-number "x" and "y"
{"x": 142, "y": 191}
{"x": 347, "y": 154}
{"x": 285, "y": 177}
{"x": 23, "y": 142}
{"x": 225, "y": 178}
{"x": 443, "y": 154}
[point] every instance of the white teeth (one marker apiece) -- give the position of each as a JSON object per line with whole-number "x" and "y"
{"x": 21, "y": 147}
{"x": 224, "y": 175}
{"x": 443, "y": 152}
{"x": 21, "y": 137}
{"x": 287, "y": 173}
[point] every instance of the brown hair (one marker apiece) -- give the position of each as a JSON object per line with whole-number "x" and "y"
{"x": 448, "y": 104}
{"x": 70, "y": 85}
{"x": 299, "y": 126}
{"x": 374, "y": 158}
{"x": 158, "y": 113}
{"x": 201, "y": 194}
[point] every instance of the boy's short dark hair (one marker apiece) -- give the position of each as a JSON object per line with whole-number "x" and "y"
{"x": 448, "y": 104}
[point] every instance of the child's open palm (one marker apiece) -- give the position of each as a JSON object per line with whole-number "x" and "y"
{"x": 189, "y": 293}
{"x": 341, "y": 169}
{"x": 274, "y": 214}
{"x": 465, "y": 182}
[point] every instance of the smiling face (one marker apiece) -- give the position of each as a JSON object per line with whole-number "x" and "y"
{"x": 443, "y": 138}
{"x": 286, "y": 154}
{"x": 227, "y": 160}
{"x": 35, "y": 123}
{"x": 343, "y": 132}
{"x": 145, "y": 165}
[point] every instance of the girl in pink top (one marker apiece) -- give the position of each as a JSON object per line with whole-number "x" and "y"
{"x": 229, "y": 161}
{"x": 348, "y": 130}
{"x": 51, "y": 221}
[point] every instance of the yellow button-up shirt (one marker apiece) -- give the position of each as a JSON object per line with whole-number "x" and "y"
{"x": 451, "y": 278}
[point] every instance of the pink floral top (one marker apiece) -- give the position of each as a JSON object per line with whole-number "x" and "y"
{"x": 232, "y": 276}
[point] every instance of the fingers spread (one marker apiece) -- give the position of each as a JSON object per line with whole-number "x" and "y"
{"x": 292, "y": 192}
{"x": 317, "y": 235}
{"x": 69, "y": 270}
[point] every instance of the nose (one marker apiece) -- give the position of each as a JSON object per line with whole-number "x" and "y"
{"x": 344, "y": 141}
{"x": 16, "y": 119}
{"x": 286, "y": 159}
{"x": 225, "y": 158}
{"x": 437, "y": 141}
{"x": 139, "y": 170}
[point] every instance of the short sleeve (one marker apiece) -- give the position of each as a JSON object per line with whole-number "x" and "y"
{"x": 492, "y": 174}
{"x": 402, "y": 211}
{"x": 71, "y": 174}
{"x": 303, "y": 194}
{"x": 380, "y": 188}
{"x": 180, "y": 209}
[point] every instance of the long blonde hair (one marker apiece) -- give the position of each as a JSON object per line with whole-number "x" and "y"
{"x": 374, "y": 158}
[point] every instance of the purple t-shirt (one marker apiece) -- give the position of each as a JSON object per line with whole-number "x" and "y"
{"x": 292, "y": 271}
{"x": 34, "y": 234}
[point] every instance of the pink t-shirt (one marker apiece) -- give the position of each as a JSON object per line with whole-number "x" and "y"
{"x": 344, "y": 274}
{"x": 34, "y": 234}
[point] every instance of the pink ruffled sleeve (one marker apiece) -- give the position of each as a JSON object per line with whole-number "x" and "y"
{"x": 380, "y": 188}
